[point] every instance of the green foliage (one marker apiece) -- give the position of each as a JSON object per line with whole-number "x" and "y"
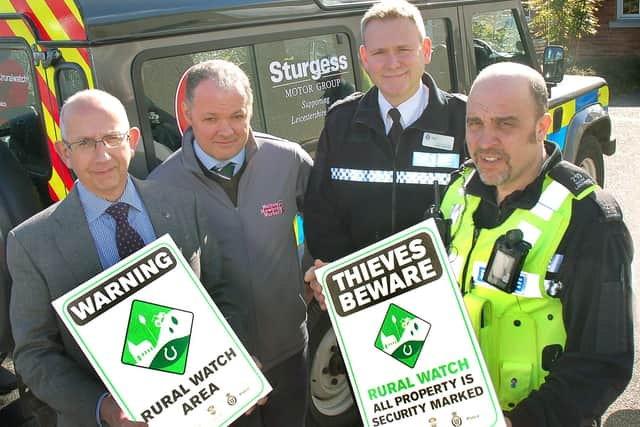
{"x": 564, "y": 22}
{"x": 496, "y": 29}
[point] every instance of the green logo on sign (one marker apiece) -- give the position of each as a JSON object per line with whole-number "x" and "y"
{"x": 157, "y": 337}
{"x": 402, "y": 335}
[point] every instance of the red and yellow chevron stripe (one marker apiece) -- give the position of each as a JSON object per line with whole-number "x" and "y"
{"x": 54, "y": 20}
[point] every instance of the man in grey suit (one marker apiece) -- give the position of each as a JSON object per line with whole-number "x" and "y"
{"x": 75, "y": 239}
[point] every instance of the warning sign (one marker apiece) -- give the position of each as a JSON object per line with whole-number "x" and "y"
{"x": 406, "y": 339}
{"x": 159, "y": 343}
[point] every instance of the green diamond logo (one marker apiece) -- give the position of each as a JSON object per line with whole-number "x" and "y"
{"x": 157, "y": 337}
{"x": 402, "y": 335}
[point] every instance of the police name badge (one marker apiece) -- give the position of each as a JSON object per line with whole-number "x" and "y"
{"x": 435, "y": 160}
{"x": 436, "y": 140}
{"x": 159, "y": 343}
{"x": 405, "y": 336}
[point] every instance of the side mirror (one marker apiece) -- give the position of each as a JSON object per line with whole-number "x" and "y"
{"x": 553, "y": 64}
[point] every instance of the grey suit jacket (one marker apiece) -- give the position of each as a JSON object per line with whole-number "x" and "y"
{"x": 52, "y": 253}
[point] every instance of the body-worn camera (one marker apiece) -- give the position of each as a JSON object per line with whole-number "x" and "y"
{"x": 507, "y": 259}
{"x": 434, "y": 211}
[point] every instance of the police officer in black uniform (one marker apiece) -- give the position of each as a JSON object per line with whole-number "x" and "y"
{"x": 381, "y": 152}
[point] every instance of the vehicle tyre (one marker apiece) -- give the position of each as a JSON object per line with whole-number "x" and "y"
{"x": 590, "y": 158}
{"x": 331, "y": 402}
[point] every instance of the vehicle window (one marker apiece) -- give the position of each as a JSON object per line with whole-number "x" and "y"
{"x": 294, "y": 81}
{"x": 160, "y": 78}
{"x": 439, "y": 67}
{"x": 69, "y": 79}
{"x": 299, "y": 79}
{"x": 20, "y": 122}
{"x": 496, "y": 38}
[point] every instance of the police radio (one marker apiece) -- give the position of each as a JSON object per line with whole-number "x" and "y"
{"x": 507, "y": 259}
{"x": 434, "y": 211}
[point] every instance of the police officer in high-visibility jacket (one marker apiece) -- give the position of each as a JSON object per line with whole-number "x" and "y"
{"x": 542, "y": 257}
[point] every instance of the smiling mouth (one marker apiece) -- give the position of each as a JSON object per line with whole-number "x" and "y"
{"x": 101, "y": 172}
{"x": 489, "y": 159}
{"x": 395, "y": 76}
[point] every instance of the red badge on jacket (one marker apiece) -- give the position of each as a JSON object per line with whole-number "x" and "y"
{"x": 273, "y": 209}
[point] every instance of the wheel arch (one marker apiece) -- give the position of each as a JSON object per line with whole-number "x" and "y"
{"x": 592, "y": 120}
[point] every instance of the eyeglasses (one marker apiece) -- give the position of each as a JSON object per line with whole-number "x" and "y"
{"x": 86, "y": 145}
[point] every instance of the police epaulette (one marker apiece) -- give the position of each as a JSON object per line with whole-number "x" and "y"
{"x": 349, "y": 98}
{"x": 574, "y": 178}
{"x": 608, "y": 205}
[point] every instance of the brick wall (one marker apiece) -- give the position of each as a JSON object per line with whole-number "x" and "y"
{"x": 610, "y": 41}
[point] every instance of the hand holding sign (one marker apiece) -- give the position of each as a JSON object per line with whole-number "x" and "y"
{"x": 310, "y": 278}
{"x": 262, "y": 401}
{"x": 114, "y": 416}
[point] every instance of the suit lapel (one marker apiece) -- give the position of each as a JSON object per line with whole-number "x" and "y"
{"x": 169, "y": 218}
{"x": 74, "y": 239}
{"x": 157, "y": 207}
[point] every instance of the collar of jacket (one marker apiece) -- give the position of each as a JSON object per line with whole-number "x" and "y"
{"x": 434, "y": 118}
{"x": 190, "y": 161}
{"x": 71, "y": 221}
{"x": 524, "y": 199}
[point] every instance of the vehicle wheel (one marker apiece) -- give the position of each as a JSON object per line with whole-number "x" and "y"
{"x": 590, "y": 158}
{"x": 331, "y": 400}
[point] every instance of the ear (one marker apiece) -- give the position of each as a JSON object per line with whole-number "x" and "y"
{"x": 134, "y": 138}
{"x": 542, "y": 126}
{"x": 363, "y": 56}
{"x": 64, "y": 153}
{"x": 426, "y": 47}
{"x": 185, "y": 110}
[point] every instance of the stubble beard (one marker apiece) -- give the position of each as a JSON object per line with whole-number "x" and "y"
{"x": 495, "y": 178}
{"x": 505, "y": 175}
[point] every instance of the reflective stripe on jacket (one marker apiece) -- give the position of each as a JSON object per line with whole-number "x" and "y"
{"x": 520, "y": 333}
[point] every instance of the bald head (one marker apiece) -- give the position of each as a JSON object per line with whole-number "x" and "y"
{"x": 507, "y": 123}
{"x": 96, "y": 99}
{"x": 512, "y": 72}
{"x": 97, "y": 143}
